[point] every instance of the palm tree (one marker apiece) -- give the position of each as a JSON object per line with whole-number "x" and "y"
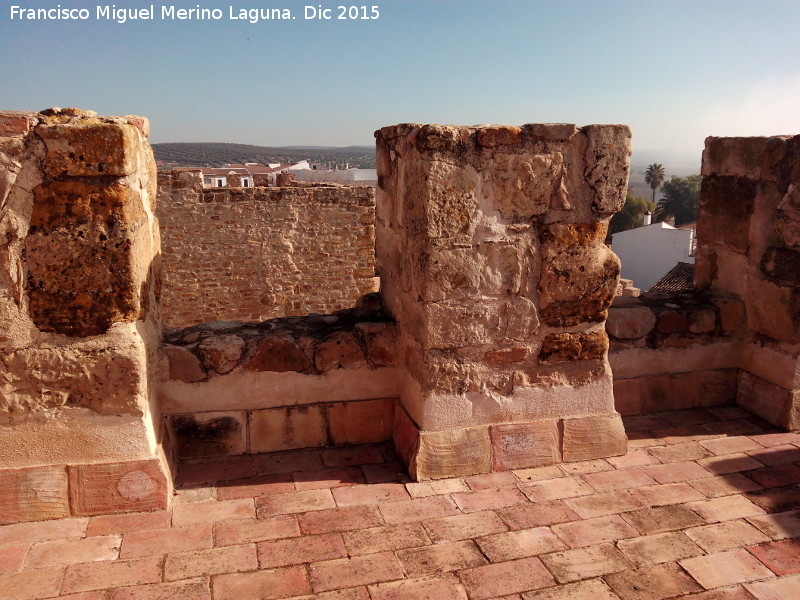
{"x": 655, "y": 176}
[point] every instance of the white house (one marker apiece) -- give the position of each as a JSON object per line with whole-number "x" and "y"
{"x": 649, "y": 252}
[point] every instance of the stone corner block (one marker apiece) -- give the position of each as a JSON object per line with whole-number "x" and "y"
{"x": 33, "y": 494}
{"x": 587, "y": 438}
{"x": 453, "y": 453}
{"x": 524, "y": 445}
{"x": 91, "y": 149}
{"x": 110, "y": 488}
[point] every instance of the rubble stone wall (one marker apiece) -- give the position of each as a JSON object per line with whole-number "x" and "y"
{"x": 748, "y": 235}
{"x": 250, "y": 254}
{"x": 490, "y": 247}
{"x": 79, "y": 317}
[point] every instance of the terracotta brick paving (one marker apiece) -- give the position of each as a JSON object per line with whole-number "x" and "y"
{"x": 706, "y": 506}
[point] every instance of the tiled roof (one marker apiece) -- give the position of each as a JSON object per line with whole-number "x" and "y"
{"x": 679, "y": 279}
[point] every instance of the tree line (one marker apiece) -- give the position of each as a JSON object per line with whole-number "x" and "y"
{"x": 679, "y": 202}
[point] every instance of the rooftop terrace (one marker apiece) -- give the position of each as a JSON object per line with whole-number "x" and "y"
{"x": 704, "y": 506}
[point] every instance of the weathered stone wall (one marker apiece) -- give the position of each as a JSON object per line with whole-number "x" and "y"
{"x": 748, "y": 235}
{"x": 79, "y": 319}
{"x": 250, "y": 254}
{"x": 490, "y": 247}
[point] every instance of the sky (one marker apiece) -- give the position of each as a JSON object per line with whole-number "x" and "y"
{"x": 675, "y": 71}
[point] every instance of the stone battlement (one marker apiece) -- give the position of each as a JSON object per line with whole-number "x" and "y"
{"x": 486, "y": 350}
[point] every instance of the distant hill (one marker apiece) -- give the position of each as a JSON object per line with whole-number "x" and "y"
{"x": 211, "y": 154}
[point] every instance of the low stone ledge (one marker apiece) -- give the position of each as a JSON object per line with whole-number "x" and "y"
{"x": 230, "y": 433}
{"x": 673, "y": 321}
{"x": 313, "y": 345}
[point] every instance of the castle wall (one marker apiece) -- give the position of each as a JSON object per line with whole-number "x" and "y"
{"x": 748, "y": 235}
{"x": 250, "y": 254}
{"x": 79, "y": 317}
{"x": 490, "y": 246}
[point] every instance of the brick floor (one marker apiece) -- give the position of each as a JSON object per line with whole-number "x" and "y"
{"x": 706, "y": 506}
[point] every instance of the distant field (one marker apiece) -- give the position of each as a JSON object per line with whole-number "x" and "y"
{"x": 209, "y": 154}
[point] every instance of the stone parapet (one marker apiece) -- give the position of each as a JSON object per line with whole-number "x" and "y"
{"x": 749, "y": 245}
{"x": 490, "y": 247}
{"x": 282, "y": 384}
{"x": 79, "y": 316}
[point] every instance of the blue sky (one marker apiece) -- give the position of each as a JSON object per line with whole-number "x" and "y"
{"x": 675, "y": 71}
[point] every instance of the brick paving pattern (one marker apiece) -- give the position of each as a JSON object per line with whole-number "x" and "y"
{"x": 705, "y": 506}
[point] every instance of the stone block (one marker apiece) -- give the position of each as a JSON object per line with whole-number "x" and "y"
{"x": 278, "y": 354}
{"x": 734, "y": 156}
{"x": 627, "y": 401}
{"x": 456, "y": 324}
{"x": 221, "y": 353}
{"x": 671, "y": 322}
{"x": 287, "y": 428}
{"x": 773, "y": 310}
{"x": 45, "y": 379}
{"x": 715, "y": 388}
{"x": 788, "y": 230}
{"x": 782, "y": 266}
{"x": 450, "y": 203}
{"x": 522, "y": 185}
{"x": 452, "y": 453}
{"x": 79, "y": 255}
{"x": 89, "y": 149}
{"x": 579, "y": 274}
{"x": 550, "y": 131}
{"x": 672, "y": 391}
{"x": 702, "y": 320}
{"x": 183, "y": 365}
{"x": 207, "y": 434}
{"x": 731, "y": 314}
{"x": 506, "y": 356}
{"x": 566, "y": 346}
{"x": 607, "y": 158}
{"x": 14, "y": 123}
{"x": 593, "y": 437}
{"x": 726, "y": 206}
{"x": 405, "y": 435}
{"x": 774, "y": 404}
{"x": 33, "y": 494}
{"x": 361, "y": 422}
{"x": 630, "y": 322}
{"x": 103, "y": 489}
{"x": 523, "y": 445}
{"x": 499, "y": 135}
{"x": 381, "y": 342}
{"x": 339, "y": 351}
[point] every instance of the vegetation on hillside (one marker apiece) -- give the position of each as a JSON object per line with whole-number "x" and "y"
{"x": 216, "y": 154}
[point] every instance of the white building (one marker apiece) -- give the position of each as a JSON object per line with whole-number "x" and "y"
{"x": 648, "y": 253}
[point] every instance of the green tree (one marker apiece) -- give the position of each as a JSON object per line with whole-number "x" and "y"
{"x": 655, "y": 176}
{"x": 681, "y": 200}
{"x": 631, "y": 214}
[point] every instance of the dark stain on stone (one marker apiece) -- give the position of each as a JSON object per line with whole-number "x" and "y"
{"x": 195, "y": 439}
